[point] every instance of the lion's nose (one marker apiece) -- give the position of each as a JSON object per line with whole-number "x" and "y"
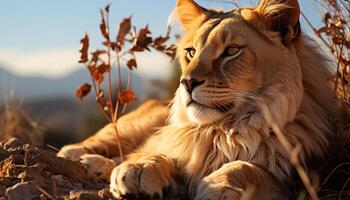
{"x": 190, "y": 84}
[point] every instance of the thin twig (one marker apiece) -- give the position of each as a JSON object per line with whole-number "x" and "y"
{"x": 315, "y": 30}
{"x": 293, "y": 155}
{"x": 45, "y": 192}
{"x": 52, "y": 147}
{"x": 109, "y": 73}
{"x": 343, "y": 188}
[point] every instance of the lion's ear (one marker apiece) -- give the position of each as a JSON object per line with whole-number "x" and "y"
{"x": 282, "y": 16}
{"x": 188, "y": 11}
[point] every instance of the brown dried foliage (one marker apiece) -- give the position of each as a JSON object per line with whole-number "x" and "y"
{"x": 335, "y": 35}
{"x": 122, "y": 50}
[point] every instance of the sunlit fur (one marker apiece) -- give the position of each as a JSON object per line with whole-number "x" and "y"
{"x": 289, "y": 75}
{"x": 290, "y": 80}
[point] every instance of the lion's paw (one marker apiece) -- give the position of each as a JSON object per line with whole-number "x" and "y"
{"x": 98, "y": 166}
{"x": 141, "y": 180}
{"x": 211, "y": 188}
{"x": 72, "y": 152}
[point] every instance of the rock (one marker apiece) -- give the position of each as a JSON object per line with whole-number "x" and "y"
{"x": 23, "y": 168}
{"x": 3, "y": 154}
{"x": 9, "y": 168}
{"x": 60, "y": 181}
{"x": 12, "y": 143}
{"x": 17, "y": 159}
{"x": 42, "y": 197}
{"x": 83, "y": 195}
{"x": 15, "y": 151}
{"x": 56, "y": 165}
{"x": 22, "y": 191}
{"x": 2, "y": 190}
{"x": 7, "y": 181}
{"x": 105, "y": 194}
{"x": 34, "y": 172}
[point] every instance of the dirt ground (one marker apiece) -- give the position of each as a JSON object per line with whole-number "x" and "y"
{"x": 27, "y": 172}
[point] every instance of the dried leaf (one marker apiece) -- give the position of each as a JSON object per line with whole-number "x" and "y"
{"x": 160, "y": 41}
{"x": 103, "y": 68}
{"x": 338, "y": 21}
{"x": 100, "y": 98}
{"x": 83, "y": 90}
{"x": 143, "y": 33}
{"x": 126, "y": 97}
{"x": 84, "y": 49}
{"x": 170, "y": 50}
{"x": 124, "y": 29}
{"x": 131, "y": 64}
{"x": 321, "y": 30}
{"x": 338, "y": 40}
{"x": 103, "y": 25}
{"x": 98, "y": 72}
{"x": 327, "y": 16}
{"x": 96, "y": 54}
{"x": 142, "y": 41}
{"x": 107, "y": 8}
{"x": 97, "y": 75}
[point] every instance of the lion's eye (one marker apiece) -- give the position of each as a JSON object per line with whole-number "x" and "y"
{"x": 232, "y": 51}
{"x": 190, "y": 53}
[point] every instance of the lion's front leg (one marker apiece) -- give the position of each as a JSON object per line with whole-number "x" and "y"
{"x": 133, "y": 129}
{"x": 143, "y": 178}
{"x": 237, "y": 179}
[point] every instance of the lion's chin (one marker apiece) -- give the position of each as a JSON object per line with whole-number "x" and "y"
{"x": 201, "y": 114}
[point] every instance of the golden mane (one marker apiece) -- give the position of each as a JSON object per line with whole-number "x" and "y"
{"x": 205, "y": 148}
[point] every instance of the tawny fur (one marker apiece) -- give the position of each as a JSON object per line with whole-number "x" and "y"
{"x": 224, "y": 153}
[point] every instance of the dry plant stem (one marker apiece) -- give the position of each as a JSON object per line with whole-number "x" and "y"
{"x": 52, "y": 147}
{"x": 128, "y": 88}
{"x": 119, "y": 85}
{"x": 100, "y": 66}
{"x": 109, "y": 72}
{"x": 335, "y": 35}
{"x": 115, "y": 115}
{"x": 331, "y": 173}
{"x": 45, "y": 192}
{"x": 96, "y": 93}
{"x": 118, "y": 141}
{"x": 110, "y": 85}
{"x": 113, "y": 110}
{"x": 343, "y": 188}
{"x": 293, "y": 155}
{"x": 315, "y": 30}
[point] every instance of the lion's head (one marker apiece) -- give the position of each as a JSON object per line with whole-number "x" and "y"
{"x": 233, "y": 60}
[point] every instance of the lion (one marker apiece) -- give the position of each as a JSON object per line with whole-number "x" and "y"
{"x": 214, "y": 141}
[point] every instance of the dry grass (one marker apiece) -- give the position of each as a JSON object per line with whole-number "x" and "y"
{"x": 335, "y": 35}
{"x": 16, "y": 122}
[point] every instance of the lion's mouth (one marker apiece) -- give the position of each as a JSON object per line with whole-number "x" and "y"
{"x": 195, "y": 103}
{"x": 222, "y": 108}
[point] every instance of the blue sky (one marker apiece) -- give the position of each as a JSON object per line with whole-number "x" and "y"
{"x": 41, "y": 37}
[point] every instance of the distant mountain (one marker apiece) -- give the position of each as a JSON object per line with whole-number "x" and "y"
{"x": 52, "y": 103}
{"x": 29, "y": 87}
